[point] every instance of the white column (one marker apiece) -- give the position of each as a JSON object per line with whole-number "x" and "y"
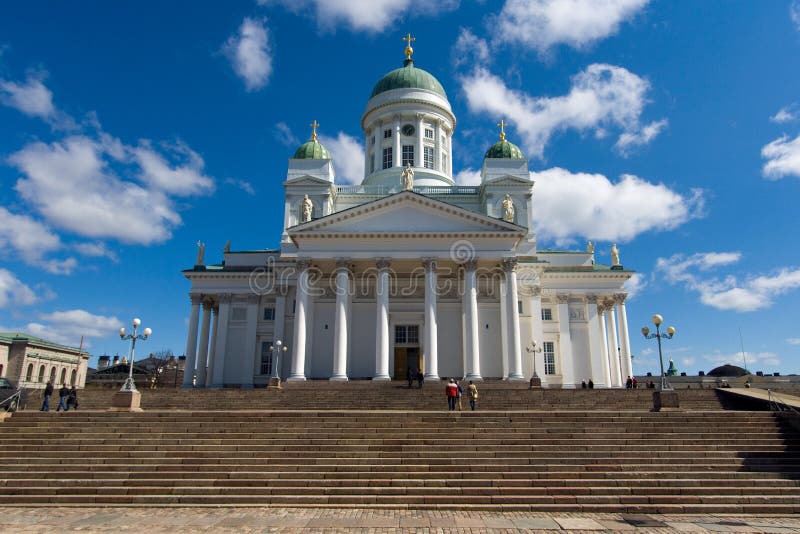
{"x": 191, "y": 342}
{"x": 565, "y": 343}
{"x": 398, "y": 156}
{"x": 624, "y": 339}
{"x": 202, "y": 355}
{"x": 419, "y": 156}
{"x": 250, "y": 338}
{"x": 382, "y": 322}
{"x": 301, "y": 305}
{"x": 437, "y": 156}
{"x": 597, "y": 356}
{"x": 431, "y": 355}
{"x": 366, "y": 152}
{"x": 342, "y": 323}
{"x": 512, "y": 318}
{"x": 504, "y": 328}
{"x": 601, "y": 310}
{"x": 212, "y": 348}
{"x": 218, "y": 378}
{"x": 278, "y": 332}
{"x": 449, "y": 156}
{"x": 613, "y": 346}
{"x": 473, "y": 341}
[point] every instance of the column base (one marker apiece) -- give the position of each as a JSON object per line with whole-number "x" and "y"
{"x": 296, "y": 378}
{"x": 126, "y": 401}
{"x": 382, "y": 377}
{"x": 338, "y": 378}
{"x": 474, "y": 378}
{"x": 515, "y": 377}
{"x": 432, "y": 377}
{"x": 274, "y": 383}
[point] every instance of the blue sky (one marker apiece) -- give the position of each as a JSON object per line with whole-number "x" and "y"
{"x": 130, "y": 130}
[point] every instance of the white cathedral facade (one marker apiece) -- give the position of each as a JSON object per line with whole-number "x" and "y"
{"x": 408, "y": 271}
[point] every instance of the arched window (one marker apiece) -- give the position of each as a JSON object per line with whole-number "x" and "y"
{"x": 72, "y": 378}
{"x": 41, "y": 373}
{"x": 53, "y": 374}
{"x": 29, "y": 374}
{"x": 63, "y": 377}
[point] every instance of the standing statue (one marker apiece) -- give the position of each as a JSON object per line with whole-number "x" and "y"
{"x": 201, "y": 252}
{"x": 408, "y": 178}
{"x": 227, "y": 247}
{"x": 614, "y": 255}
{"x": 306, "y": 209}
{"x": 508, "y": 209}
{"x": 589, "y": 247}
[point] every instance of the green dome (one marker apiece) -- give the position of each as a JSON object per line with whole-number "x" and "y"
{"x": 409, "y": 77}
{"x": 504, "y": 149}
{"x": 312, "y": 150}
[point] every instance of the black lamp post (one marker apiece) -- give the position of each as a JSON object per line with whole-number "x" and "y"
{"x": 657, "y": 320}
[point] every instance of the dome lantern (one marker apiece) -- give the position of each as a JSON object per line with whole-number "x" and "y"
{"x": 312, "y": 149}
{"x": 504, "y": 148}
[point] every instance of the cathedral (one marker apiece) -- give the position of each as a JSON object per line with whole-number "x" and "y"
{"x": 408, "y": 271}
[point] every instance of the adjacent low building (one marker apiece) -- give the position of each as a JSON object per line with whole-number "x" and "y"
{"x": 31, "y": 361}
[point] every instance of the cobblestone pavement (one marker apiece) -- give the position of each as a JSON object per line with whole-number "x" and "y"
{"x": 306, "y": 520}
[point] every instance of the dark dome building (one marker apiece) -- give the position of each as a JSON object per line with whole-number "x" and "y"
{"x": 728, "y": 370}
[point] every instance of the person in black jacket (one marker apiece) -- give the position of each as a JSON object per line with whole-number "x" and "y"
{"x": 48, "y": 391}
{"x": 72, "y": 400}
{"x": 63, "y": 395}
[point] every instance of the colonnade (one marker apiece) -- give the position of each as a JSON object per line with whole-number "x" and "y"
{"x": 205, "y": 357}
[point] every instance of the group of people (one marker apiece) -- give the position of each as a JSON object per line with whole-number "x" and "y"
{"x": 415, "y": 374}
{"x": 454, "y": 393}
{"x": 67, "y": 397}
{"x": 631, "y": 383}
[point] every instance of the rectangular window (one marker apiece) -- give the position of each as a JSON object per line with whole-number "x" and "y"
{"x": 408, "y": 155}
{"x": 387, "y": 133}
{"x": 547, "y": 314}
{"x": 387, "y": 157}
{"x": 269, "y": 314}
{"x": 400, "y": 334}
{"x": 428, "y": 133}
{"x": 549, "y": 358}
{"x": 519, "y": 306}
{"x": 428, "y": 157}
{"x": 406, "y": 334}
{"x": 266, "y": 358}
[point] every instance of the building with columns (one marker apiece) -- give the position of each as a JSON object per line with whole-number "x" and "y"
{"x": 408, "y": 270}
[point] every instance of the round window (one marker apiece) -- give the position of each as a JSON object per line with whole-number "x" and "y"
{"x": 408, "y": 130}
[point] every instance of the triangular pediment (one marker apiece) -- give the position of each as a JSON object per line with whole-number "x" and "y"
{"x": 509, "y": 180}
{"x": 307, "y": 180}
{"x": 406, "y": 213}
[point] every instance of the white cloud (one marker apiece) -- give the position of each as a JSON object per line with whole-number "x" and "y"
{"x": 468, "y": 177}
{"x": 793, "y": 341}
{"x": 602, "y": 96}
{"x": 728, "y": 293}
{"x": 542, "y": 24}
{"x": 646, "y": 352}
{"x": 786, "y": 114}
{"x": 752, "y": 359}
{"x": 183, "y": 179}
{"x": 285, "y": 136}
{"x": 96, "y": 250}
{"x": 67, "y": 327}
{"x": 470, "y": 49}
{"x": 13, "y": 292}
{"x": 348, "y": 157}
{"x": 32, "y": 242}
{"x": 794, "y": 11}
{"x": 245, "y": 186}
{"x": 70, "y": 183}
{"x": 34, "y": 99}
{"x": 362, "y": 15}
{"x": 250, "y": 53}
{"x": 783, "y": 158}
{"x": 635, "y": 284}
{"x": 569, "y": 205}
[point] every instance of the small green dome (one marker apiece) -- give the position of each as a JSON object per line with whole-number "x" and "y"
{"x": 504, "y": 149}
{"x": 409, "y": 77}
{"x": 312, "y": 149}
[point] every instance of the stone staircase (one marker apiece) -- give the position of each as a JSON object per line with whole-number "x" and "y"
{"x": 599, "y": 460}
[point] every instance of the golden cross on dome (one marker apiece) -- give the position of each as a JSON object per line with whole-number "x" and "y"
{"x": 314, "y": 126}
{"x": 502, "y": 125}
{"x": 408, "y": 40}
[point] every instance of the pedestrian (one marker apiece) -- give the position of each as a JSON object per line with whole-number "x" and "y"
{"x": 452, "y": 393}
{"x": 420, "y": 378}
{"x": 73, "y": 398}
{"x": 63, "y": 395}
{"x": 48, "y": 391}
{"x": 460, "y": 391}
{"x": 634, "y": 382}
{"x": 591, "y": 384}
{"x": 583, "y": 384}
{"x": 629, "y": 383}
{"x": 410, "y": 376}
{"x": 473, "y": 395}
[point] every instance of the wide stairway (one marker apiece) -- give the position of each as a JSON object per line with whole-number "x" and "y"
{"x": 594, "y": 461}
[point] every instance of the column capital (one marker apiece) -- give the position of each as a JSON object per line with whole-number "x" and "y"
{"x": 383, "y": 263}
{"x": 208, "y": 304}
{"x": 429, "y": 264}
{"x": 619, "y": 298}
{"x": 302, "y": 264}
{"x": 196, "y": 299}
{"x": 591, "y": 299}
{"x": 562, "y": 298}
{"x": 470, "y": 265}
{"x": 343, "y": 264}
{"x": 510, "y": 264}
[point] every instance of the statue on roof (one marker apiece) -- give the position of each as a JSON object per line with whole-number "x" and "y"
{"x": 408, "y": 178}
{"x": 306, "y": 209}
{"x": 508, "y": 209}
{"x": 589, "y": 247}
{"x": 201, "y": 252}
{"x": 227, "y": 247}
{"x": 614, "y": 255}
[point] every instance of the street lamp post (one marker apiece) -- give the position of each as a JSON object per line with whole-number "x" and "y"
{"x": 657, "y": 320}
{"x": 129, "y": 386}
{"x": 536, "y": 382}
{"x": 277, "y": 350}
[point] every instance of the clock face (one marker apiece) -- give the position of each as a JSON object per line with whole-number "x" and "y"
{"x": 408, "y": 130}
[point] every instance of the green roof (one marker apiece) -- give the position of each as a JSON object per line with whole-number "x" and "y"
{"x": 409, "y": 77}
{"x": 21, "y": 336}
{"x": 504, "y": 149}
{"x": 312, "y": 150}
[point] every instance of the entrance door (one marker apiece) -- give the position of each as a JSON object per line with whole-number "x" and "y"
{"x": 406, "y": 358}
